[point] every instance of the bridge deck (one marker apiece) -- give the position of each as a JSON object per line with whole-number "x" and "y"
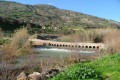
{"x": 37, "y": 42}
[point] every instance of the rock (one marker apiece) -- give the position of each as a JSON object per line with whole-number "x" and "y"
{"x": 36, "y": 76}
{"x": 22, "y": 76}
{"x": 39, "y": 76}
{"x": 52, "y": 72}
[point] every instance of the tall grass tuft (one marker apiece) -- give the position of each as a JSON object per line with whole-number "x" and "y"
{"x": 19, "y": 44}
{"x": 112, "y": 41}
{"x": 109, "y": 36}
{"x": 87, "y": 35}
{"x": 20, "y": 38}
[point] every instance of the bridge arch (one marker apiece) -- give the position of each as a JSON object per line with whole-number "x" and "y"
{"x": 57, "y": 45}
{"x": 79, "y": 46}
{"x": 86, "y": 46}
{"x": 94, "y": 47}
{"x": 90, "y": 46}
{"x": 82, "y": 46}
{"x": 97, "y": 47}
{"x": 38, "y": 42}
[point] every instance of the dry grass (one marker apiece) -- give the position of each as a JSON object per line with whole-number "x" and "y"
{"x": 109, "y": 36}
{"x": 20, "y": 42}
{"x": 90, "y": 35}
{"x": 112, "y": 41}
{"x": 18, "y": 46}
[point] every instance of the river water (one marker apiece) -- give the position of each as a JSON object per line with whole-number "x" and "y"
{"x": 46, "y": 53}
{"x": 61, "y": 52}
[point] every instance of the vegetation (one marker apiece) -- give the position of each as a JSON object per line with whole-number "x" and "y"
{"x": 9, "y": 52}
{"x": 2, "y": 41}
{"x": 47, "y": 18}
{"x": 76, "y": 27}
{"x": 19, "y": 44}
{"x": 108, "y": 66}
{"x": 101, "y": 69}
{"x": 79, "y": 72}
{"x": 89, "y": 35}
{"x": 109, "y": 36}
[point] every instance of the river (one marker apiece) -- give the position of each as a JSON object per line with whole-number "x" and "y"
{"x": 46, "y": 53}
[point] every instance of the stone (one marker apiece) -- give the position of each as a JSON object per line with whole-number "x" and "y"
{"x": 35, "y": 76}
{"x": 52, "y": 72}
{"x": 22, "y": 76}
{"x": 39, "y": 76}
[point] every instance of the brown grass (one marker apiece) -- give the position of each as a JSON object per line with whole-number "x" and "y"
{"x": 112, "y": 41}
{"x": 18, "y": 46}
{"x": 90, "y": 35}
{"x": 109, "y": 36}
{"x": 20, "y": 42}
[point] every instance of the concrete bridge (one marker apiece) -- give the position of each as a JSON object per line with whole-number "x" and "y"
{"x": 38, "y": 42}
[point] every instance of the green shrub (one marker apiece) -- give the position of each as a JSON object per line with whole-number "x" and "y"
{"x": 79, "y": 72}
{"x": 105, "y": 68}
{"x": 2, "y": 41}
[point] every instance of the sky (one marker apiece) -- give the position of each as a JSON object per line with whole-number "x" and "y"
{"x": 108, "y": 9}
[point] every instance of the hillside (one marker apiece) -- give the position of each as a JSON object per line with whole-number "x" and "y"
{"x": 13, "y": 15}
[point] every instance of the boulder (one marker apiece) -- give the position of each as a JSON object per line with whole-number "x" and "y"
{"x": 52, "y": 72}
{"x": 39, "y": 76}
{"x": 36, "y": 76}
{"x": 22, "y": 76}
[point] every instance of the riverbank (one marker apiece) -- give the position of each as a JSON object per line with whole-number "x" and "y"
{"x": 105, "y": 68}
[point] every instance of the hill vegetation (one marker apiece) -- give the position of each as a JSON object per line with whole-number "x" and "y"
{"x": 41, "y": 18}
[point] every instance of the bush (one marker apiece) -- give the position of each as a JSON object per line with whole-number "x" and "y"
{"x": 79, "y": 72}
{"x": 112, "y": 41}
{"x": 2, "y": 41}
{"x": 91, "y": 35}
{"x": 19, "y": 44}
{"x": 20, "y": 37}
{"x": 109, "y": 36}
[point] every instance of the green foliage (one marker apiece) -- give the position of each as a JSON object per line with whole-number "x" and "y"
{"x": 107, "y": 67}
{"x": 2, "y": 41}
{"x": 79, "y": 72}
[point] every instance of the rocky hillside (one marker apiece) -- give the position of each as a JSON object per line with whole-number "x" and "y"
{"x": 14, "y": 15}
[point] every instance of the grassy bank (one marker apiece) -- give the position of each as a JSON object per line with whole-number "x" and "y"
{"x": 104, "y": 68}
